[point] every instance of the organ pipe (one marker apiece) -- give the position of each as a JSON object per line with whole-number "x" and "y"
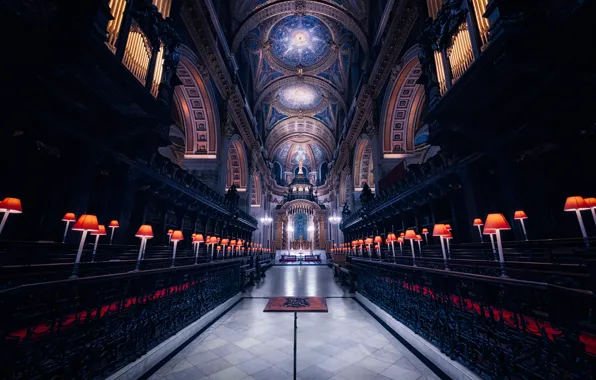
{"x": 137, "y": 54}
{"x": 163, "y": 6}
{"x": 460, "y": 53}
{"x": 433, "y": 7}
{"x": 113, "y": 29}
{"x": 483, "y": 25}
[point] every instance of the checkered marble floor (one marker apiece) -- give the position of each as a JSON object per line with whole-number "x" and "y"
{"x": 344, "y": 344}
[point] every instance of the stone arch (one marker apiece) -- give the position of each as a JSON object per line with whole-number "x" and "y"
{"x": 255, "y": 197}
{"x": 195, "y": 109}
{"x": 363, "y": 165}
{"x": 402, "y": 108}
{"x": 237, "y": 165}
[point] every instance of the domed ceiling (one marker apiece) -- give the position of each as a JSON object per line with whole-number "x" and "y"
{"x": 300, "y": 55}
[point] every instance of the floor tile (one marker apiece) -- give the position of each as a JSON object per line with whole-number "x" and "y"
{"x": 247, "y": 343}
{"x": 271, "y": 373}
{"x": 239, "y": 357}
{"x": 214, "y": 366}
{"x": 254, "y": 365}
{"x": 227, "y": 349}
{"x": 201, "y": 358}
{"x": 333, "y": 365}
{"x": 232, "y": 373}
{"x": 355, "y": 372}
{"x": 373, "y": 364}
{"x": 315, "y": 373}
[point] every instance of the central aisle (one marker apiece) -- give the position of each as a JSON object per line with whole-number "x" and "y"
{"x": 345, "y": 344}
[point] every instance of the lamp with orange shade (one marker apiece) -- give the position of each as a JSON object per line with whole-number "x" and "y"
{"x": 521, "y": 215}
{"x": 419, "y": 240}
{"x": 9, "y": 206}
{"x": 591, "y": 202}
{"x": 411, "y": 236}
{"x": 440, "y": 231}
{"x": 85, "y": 223}
{"x": 578, "y": 204}
{"x": 425, "y": 233}
{"x": 113, "y": 225}
{"x": 446, "y": 238}
{"x": 170, "y": 232}
{"x": 68, "y": 218}
{"x": 355, "y": 247}
{"x": 198, "y": 239}
{"x": 497, "y": 222}
{"x": 368, "y": 242}
{"x": 400, "y": 240}
{"x": 145, "y": 232}
{"x": 392, "y": 238}
{"x": 225, "y": 242}
{"x": 448, "y": 226}
{"x": 490, "y": 232}
{"x": 402, "y": 235}
{"x": 378, "y": 240}
{"x": 233, "y": 245}
{"x": 100, "y": 232}
{"x": 361, "y": 244}
{"x": 176, "y": 237}
{"x": 478, "y": 223}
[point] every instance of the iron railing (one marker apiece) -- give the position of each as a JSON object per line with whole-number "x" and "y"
{"x": 89, "y": 328}
{"x": 498, "y": 328}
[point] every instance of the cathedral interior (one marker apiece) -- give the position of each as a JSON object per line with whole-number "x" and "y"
{"x": 298, "y": 189}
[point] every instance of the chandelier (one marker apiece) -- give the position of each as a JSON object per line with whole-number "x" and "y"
{"x": 266, "y": 220}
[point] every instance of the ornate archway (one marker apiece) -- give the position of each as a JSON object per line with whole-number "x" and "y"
{"x": 236, "y": 166}
{"x": 402, "y": 109}
{"x": 195, "y": 110}
{"x": 363, "y": 165}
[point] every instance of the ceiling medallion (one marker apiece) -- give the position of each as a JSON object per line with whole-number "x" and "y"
{"x": 300, "y": 96}
{"x": 300, "y": 41}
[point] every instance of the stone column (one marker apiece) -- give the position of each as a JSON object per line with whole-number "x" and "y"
{"x": 322, "y": 235}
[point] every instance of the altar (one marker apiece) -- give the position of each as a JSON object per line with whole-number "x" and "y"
{"x": 301, "y": 245}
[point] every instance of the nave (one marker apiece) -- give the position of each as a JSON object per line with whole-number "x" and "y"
{"x": 346, "y": 343}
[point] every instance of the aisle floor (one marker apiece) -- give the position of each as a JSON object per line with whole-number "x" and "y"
{"x": 346, "y": 343}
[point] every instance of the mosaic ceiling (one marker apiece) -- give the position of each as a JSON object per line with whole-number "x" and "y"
{"x": 300, "y": 55}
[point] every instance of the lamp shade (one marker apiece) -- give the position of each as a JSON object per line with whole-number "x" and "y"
{"x": 11, "y": 205}
{"x": 410, "y": 234}
{"x": 177, "y": 235}
{"x": 354, "y": 243}
{"x": 418, "y": 238}
{"x": 86, "y": 223}
{"x": 591, "y": 202}
{"x": 360, "y": 241}
{"x": 368, "y": 241}
{"x": 440, "y": 230}
{"x": 101, "y": 231}
{"x": 400, "y": 239}
{"x": 233, "y": 242}
{"x": 425, "y": 230}
{"x": 478, "y": 222}
{"x": 571, "y": 204}
{"x": 198, "y": 238}
{"x": 520, "y": 214}
{"x": 378, "y": 239}
{"x": 488, "y": 231}
{"x": 497, "y": 222}
{"x": 213, "y": 240}
{"x": 448, "y": 226}
{"x": 225, "y": 241}
{"x": 69, "y": 217}
{"x": 402, "y": 234}
{"x": 114, "y": 224}
{"x": 219, "y": 248}
{"x": 392, "y": 236}
{"x": 448, "y": 235}
{"x": 145, "y": 231}
{"x": 193, "y": 236}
